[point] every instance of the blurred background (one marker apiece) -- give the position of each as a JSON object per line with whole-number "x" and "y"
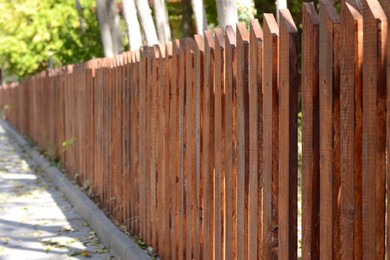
{"x": 38, "y": 34}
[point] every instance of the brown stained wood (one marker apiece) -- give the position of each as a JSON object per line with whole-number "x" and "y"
{"x": 270, "y": 137}
{"x": 242, "y": 139}
{"x": 141, "y": 145}
{"x": 310, "y": 132}
{"x": 255, "y": 141}
{"x": 153, "y": 145}
{"x": 288, "y": 135}
{"x": 189, "y": 168}
{"x": 136, "y": 140}
{"x": 161, "y": 156}
{"x": 351, "y": 133}
{"x": 374, "y": 130}
{"x": 220, "y": 235}
{"x": 149, "y": 145}
{"x": 173, "y": 149}
{"x": 230, "y": 165}
{"x": 181, "y": 117}
{"x": 208, "y": 227}
{"x": 330, "y": 131}
{"x": 166, "y": 144}
{"x": 198, "y": 86}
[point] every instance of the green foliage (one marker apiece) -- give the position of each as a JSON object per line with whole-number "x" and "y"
{"x": 30, "y": 29}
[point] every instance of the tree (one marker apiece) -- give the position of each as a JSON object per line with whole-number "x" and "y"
{"x": 246, "y": 10}
{"x": 200, "y": 16}
{"x": 132, "y": 24}
{"x": 227, "y": 13}
{"x": 110, "y": 30}
{"x": 161, "y": 16}
{"x": 147, "y": 23}
{"x": 29, "y": 29}
{"x": 186, "y": 18}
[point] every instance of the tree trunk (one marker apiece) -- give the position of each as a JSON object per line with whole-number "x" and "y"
{"x": 81, "y": 17}
{"x": 110, "y": 31}
{"x": 147, "y": 22}
{"x": 115, "y": 26}
{"x": 186, "y": 18}
{"x": 227, "y": 13}
{"x": 132, "y": 24}
{"x": 200, "y": 16}
{"x": 161, "y": 15}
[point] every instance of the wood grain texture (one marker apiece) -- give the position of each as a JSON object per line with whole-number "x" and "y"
{"x": 255, "y": 224}
{"x": 288, "y": 135}
{"x": 270, "y": 137}
{"x": 207, "y": 152}
{"x": 310, "y": 132}
{"x": 198, "y": 86}
{"x": 351, "y": 133}
{"x": 330, "y": 131}
{"x": 230, "y": 163}
{"x": 220, "y": 231}
{"x": 181, "y": 117}
{"x": 174, "y": 147}
{"x": 242, "y": 139}
{"x": 373, "y": 173}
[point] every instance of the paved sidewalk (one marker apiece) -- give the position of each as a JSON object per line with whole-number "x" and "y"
{"x": 36, "y": 220}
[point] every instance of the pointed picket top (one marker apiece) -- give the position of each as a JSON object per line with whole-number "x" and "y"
{"x": 375, "y": 9}
{"x": 209, "y": 41}
{"x": 287, "y": 21}
{"x": 199, "y": 43}
{"x": 328, "y": 9}
{"x": 230, "y": 36}
{"x": 242, "y": 32}
{"x": 176, "y": 47}
{"x": 256, "y": 30}
{"x": 270, "y": 24}
{"x": 168, "y": 49}
{"x": 308, "y": 8}
{"x": 353, "y": 11}
{"x": 156, "y": 52}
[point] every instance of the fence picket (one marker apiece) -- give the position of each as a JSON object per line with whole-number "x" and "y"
{"x": 288, "y": 134}
{"x": 374, "y": 131}
{"x": 310, "y": 133}
{"x": 330, "y": 130}
{"x": 351, "y": 133}
{"x": 255, "y": 239}
{"x": 270, "y": 137}
{"x": 219, "y": 206}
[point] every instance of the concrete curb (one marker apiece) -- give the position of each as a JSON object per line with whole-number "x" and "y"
{"x": 119, "y": 243}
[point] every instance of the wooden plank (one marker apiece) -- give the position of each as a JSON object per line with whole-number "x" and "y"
{"x": 288, "y": 135}
{"x": 180, "y": 164}
{"x": 330, "y": 131}
{"x": 270, "y": 137}
{"x": 255, "y": 141}
{"x": 220, "y": 232}
{"x": 198, "y": 85}
{"x": 173, "y": 148}
{"x": 207, "y": 149}
{"x": 230, "y": 225}
{"x": 189, "y": 167}
{"x": 242, "y": 139}
{"x": 141, "y": 146}
{"x": 154, "y": 132}
{"x": 374, "y": 130}
{"x": 310, "y": 133}
{"x": 161, "y": 174}
{"x": 351, "y": 133}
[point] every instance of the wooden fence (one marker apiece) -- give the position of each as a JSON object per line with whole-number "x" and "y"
{"x": 193, "y": 145}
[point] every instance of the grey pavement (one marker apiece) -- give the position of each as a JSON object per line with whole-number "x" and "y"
{"x": 36, "y": 220}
